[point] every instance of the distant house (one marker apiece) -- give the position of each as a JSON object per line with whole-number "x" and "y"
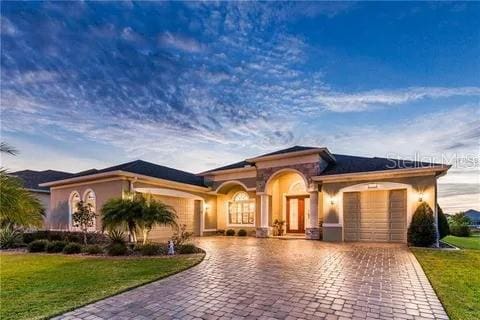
{"x": 474, "y": 217}
{"x": 31, "y": 180}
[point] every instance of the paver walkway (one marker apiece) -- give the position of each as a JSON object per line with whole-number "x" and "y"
{"x": 248, "y": 278}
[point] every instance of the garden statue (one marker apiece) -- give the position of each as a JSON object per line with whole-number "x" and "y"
{"x": 171, "y": 249}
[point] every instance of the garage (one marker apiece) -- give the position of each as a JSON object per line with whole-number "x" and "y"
{"x": 377, "y": 216}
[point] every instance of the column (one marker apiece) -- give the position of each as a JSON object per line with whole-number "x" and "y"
{"x": 312, "y": 232}
{"x": 263, "y": 230}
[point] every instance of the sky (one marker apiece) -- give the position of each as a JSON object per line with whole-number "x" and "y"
{"x": 195, "y": 85}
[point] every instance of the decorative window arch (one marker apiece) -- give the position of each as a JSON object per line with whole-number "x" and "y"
{"x": 241, "y": 210}
{"x": 73, "y": 200}
{"x": 297, "y": 188}
{"x": 89, "y": 197}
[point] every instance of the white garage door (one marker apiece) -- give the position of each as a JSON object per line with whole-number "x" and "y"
{"x": 375, "y": 216}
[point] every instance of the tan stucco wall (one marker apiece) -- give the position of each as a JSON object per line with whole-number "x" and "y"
{"x": 58, "y": 216}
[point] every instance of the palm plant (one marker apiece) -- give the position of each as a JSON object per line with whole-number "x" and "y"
{"x": 17, "y": 205}
{"x": 123, "y": 213}
{"x": 157, "y": 213}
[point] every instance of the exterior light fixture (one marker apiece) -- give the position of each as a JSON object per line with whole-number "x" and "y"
{"x": 206, "y": 207}
{"x": 420, "y": 197}
{"x": 332, "y": 201}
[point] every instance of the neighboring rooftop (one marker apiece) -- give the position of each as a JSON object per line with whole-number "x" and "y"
{"x": 474, "y": 215}
{"x": 148, "y": 169}
{"x": 31, "y": 178}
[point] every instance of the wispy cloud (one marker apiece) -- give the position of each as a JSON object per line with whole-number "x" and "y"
{"x": 371, "y": 100}
{"x": 181, "y": 42}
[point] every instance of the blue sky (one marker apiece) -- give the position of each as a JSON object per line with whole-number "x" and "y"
{"x": 196, "y": 85}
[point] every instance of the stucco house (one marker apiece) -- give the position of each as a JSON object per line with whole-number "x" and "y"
{"x": 344, "y": 198}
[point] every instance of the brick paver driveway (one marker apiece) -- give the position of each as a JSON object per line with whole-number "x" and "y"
{"x": 248, "y": 278}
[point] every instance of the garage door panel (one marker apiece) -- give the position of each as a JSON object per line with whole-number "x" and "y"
{"x": 375, "y": 216}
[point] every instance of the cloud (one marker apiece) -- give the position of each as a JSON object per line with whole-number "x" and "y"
{"x": 371, "y": 100}
{"x": 7, "y": 27}
{"x": 181, "y": 42}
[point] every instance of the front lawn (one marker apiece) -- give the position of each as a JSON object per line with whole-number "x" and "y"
{"x": 455, "y": 276}
{"x": 36, "y": 286}
{"x": 472, "y": 242}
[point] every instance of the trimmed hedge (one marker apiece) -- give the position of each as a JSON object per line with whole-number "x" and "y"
{"x": 55, "y": 246}
{"x": 67, "y": 236}
{"x": 37, "y": 246}
{"x": 72, "y": 248}
{"x": 460, "y": 230}
{"x": 230, "y": 233}
{"x": 242, "y": 233}
{"x": 150, "y": 249}
{"x": 93, "y": 249}
{"x": 421, "y": 232}
{"x": 188, "y": 249}
{"x": 117, "y": 249}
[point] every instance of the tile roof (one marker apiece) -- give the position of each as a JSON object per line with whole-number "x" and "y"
{"x": 473, "y": 214}
{"x": 149, "y": 169}
{"x": 287, "y": 150}
{"x": 31, "y": 178}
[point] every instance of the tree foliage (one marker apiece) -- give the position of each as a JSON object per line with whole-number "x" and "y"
{"x": 17, "y": 205}
{"x": 84, "y": 218}
{"x": 136, "y": 214}
{"x": 422, "y": 231}
{"x": 443, "y": 228}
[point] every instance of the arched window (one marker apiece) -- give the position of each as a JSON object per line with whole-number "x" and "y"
{"x": 241, "y": 210}
{"x": 90, "y": 198}
{"x": 297, "y": 188}
{"x": 72, "y": 205}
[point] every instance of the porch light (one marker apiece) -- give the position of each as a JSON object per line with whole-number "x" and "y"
{"x": 332, "y": 201}
{"x": 420, "y": 197}
{"x": 206, "y": 207}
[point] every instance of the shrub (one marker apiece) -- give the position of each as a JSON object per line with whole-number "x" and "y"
{"x": 443, "y": 228}
{"x": 67, "y": 236}
{"x": 242, "y": 233}
{"x": 9, "y": 237}
{"x": 37, "y": 246}
{"x": 72, "y": 248}
{"x": 117, "y": 236}
{"x": 56, "y": 246}
{"x": 117, "y": 249}
{"x": 460, "y": 230}
{"x": 93, "y": 249}
{"x": 181, "y": 236}
{"x": 230, "y": 232}
{"x": 188, "y": 249}
{"x": 422, "y": 232}
{"x": 150, "y": 249}
{"x": 220, "y": 232}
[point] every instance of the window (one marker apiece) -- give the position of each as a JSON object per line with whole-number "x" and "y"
{"x": 241, "y": 210}
{"x": 90, "y": 198}
{"x": 74, "y": 200}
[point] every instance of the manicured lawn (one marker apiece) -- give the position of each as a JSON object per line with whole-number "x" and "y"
{"x": 455, "y": 276}
{"x": 472, "y": 242}
{"x": 36, "y": 286}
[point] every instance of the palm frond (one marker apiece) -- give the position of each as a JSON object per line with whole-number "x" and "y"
{"x": 6, "y": 148}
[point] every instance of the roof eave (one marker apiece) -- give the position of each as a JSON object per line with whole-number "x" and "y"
{"x": 437, "y": 170}
{"x": 291, "y": 154}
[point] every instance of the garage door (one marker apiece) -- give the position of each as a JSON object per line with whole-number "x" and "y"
{"x": 375, "y": 216}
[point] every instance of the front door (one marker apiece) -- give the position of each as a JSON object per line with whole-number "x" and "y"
{"x": 296, "y": 214}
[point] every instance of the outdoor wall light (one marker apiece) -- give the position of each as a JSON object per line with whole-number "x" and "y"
{"x": 206, "y": 207}
{"x": 420, "y": 197}
{"x": 332, "y": 201}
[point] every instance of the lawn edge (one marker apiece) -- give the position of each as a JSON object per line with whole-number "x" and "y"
{"x": 203, "y": 254}
{"x": 428, "y": 277}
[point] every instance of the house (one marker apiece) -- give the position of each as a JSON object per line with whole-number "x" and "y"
{"x": 474, "y": 217}
{"x": 342, "y": 197}
{"x": 32, "y": 179}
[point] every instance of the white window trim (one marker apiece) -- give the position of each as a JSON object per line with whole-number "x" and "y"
{"x": 236, "y": 225}
{"x": 70, "y": 209}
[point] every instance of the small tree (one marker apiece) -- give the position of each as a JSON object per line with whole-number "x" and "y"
{"x": 443, "y": 228}
{"x": 422, "y": 232}
{"x": 84, "y": 218}
{"x": 459, "y": 225}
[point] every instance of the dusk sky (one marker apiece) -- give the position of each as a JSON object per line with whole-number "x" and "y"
{"x": 198, "y": 85}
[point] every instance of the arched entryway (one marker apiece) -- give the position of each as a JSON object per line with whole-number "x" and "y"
{"x": 287, "y": 199}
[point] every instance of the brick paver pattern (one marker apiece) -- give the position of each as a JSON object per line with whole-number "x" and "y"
{"x": 249, "y": 278}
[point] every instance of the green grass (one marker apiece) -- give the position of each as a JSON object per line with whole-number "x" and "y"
{"x": 472, "y": 242}
{"x": 455, "y": 276}
{"x": 35, "y": 286}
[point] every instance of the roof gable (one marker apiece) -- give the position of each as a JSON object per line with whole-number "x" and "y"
{"x": 31, "y": 178}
